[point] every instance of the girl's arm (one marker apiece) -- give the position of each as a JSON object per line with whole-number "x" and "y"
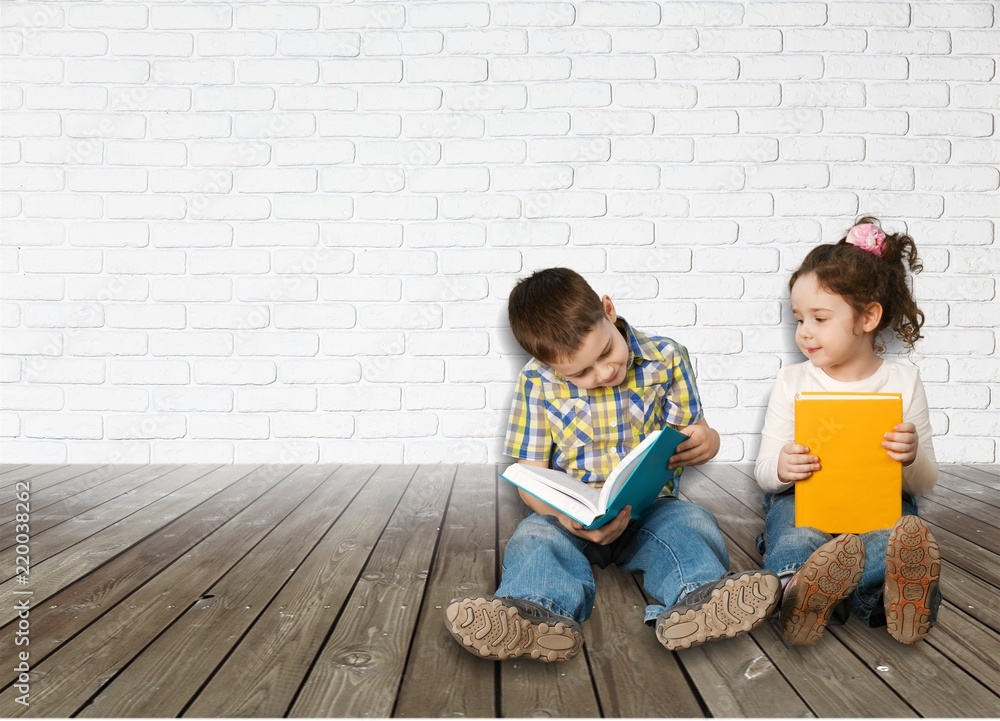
{"x": 779, "y": 430}
{"x": 922, "y": 474}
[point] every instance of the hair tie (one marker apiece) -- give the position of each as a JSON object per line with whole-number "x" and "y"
{"x": 867, "y": 236}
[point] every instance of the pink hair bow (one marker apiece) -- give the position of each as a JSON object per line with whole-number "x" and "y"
{"x": 867, "y": 236}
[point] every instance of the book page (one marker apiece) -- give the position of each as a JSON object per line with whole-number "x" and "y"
{"x": 621, "y": 472}
{"x": 550, "y": 481}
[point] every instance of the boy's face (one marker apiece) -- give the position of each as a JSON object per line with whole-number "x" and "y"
{"x": 602, "y": 358}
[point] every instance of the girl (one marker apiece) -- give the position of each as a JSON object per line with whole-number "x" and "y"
{"x": 844, "y": 296}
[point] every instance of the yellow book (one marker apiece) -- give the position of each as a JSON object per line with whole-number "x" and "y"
{"x": 858, "y": 487}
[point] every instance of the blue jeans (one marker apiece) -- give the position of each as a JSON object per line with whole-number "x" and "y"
{"x": 785, "y": 548}
{"x": 676, "y": 544}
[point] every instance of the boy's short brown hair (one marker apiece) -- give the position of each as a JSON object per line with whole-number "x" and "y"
{"x": 552, "y": 311}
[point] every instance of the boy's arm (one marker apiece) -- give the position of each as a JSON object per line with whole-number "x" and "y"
{"x": 701, "y": 446}
{"x": 601, "y": 536}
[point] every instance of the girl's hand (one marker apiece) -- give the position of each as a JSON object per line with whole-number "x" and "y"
{"x": 902, "y": 443}
{"x": 701, "y": 446}
{"x": 602, "y": 536}
{"x": 795, "y": 463}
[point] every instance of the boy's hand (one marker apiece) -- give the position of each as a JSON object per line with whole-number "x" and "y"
{"x": 795, "y": 463}
{"x": 701, "y": 446}
{"x": 902, "y": 443}
{"x": 602, "y": 536}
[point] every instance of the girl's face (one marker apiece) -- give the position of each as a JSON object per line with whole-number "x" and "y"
{"x": 830, "y": 334}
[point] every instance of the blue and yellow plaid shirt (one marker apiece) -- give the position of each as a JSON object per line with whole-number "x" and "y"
{"x": 587, "y": 432}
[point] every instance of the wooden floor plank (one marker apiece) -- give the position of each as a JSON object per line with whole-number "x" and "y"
{"x": 63, "y": 568}
{"x": 44, "y": 497}
{"x": 928, "y": 680}
{"x": 55, "y": 511}
{"x": 54, "y": 533}
{"x": 529, "y": 688}
{"x": 359, "y": 671}
{"x": 979, "y": 492}
{"x": 78, "y": 604}
{"x": 973, "y": 509}
{"x": 264, "y": 672}
{"x": 442, "y": 679}
{"x": 973, "y": 595}
{"x": 968, "y": 643}
{"x": 618, "y": 643}
{"x": 72, "y": 675}
{"x": 172, "y": 669}
{"x": 955, "y": 521}
{"x": 40, "y": 478}
{"x": 984, "y": 474}
{"x": 33, "y": 471}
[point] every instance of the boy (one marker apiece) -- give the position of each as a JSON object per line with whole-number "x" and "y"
{"x": 593, "y": 390}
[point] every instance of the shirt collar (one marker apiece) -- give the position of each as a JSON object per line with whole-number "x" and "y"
{"x": 640, "y": 347}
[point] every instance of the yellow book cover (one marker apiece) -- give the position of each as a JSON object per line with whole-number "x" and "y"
{"x": 858, "y": 487}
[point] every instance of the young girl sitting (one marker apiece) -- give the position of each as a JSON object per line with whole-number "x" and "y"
{"x": 843, "y": 296}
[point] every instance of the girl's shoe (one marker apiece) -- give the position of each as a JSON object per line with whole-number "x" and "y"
{"x": 829, "y": 576}
{"x": 912, "y": 569}
{"x": 502, "y": 628}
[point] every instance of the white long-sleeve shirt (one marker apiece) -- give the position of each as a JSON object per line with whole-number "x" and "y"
{"x": 891, "y": 377}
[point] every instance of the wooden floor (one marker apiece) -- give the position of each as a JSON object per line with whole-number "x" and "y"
{"x": 317, "y": 591}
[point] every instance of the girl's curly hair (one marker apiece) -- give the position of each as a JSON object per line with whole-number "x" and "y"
{"x": 861, "y": 277}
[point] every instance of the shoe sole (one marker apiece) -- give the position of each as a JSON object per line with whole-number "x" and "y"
{"x": 739, "y": 607}
{"x": 492, "y": 629}
{"x": 912, "y": 570}
{"x": 827, "y": 578}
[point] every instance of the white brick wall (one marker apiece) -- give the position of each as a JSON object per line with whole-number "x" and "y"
{"x": 275, "y": 232}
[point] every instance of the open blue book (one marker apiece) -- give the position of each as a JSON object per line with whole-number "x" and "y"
{"x": 637, "y": 480}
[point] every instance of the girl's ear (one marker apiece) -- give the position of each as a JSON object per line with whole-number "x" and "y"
{"x": 870, "y": 317}
{"x": 609, "y": 309}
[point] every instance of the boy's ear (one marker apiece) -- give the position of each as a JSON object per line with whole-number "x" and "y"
{"x": 609, "y": 309}
{"x": 870, "y": 317}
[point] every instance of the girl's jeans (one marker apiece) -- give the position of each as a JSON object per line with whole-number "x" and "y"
{"x": 676, "y": 544}
{"x": 786, "y": 547}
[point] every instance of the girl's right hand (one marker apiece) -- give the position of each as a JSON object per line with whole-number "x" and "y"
{"x": 795, "y": 463}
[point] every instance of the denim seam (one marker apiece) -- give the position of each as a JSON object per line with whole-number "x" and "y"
{"x": 685, "y": 587}
{"x": 548, "y": 604}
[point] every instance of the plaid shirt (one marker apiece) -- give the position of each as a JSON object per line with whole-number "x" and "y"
{"x": 587, "y": 432}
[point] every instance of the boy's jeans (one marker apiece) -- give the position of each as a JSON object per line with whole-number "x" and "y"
{"x": 677, "y": 545}
{"x": 786, "y": 547}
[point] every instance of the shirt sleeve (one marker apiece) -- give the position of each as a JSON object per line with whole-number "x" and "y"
{"x": 683, "y": 402}
{"x": 920, "y": 476}
{"x": 779, "y": 430}
{"x": 529, "y": 435}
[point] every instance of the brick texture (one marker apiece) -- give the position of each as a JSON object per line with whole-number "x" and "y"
{"x": 286, "y": 232}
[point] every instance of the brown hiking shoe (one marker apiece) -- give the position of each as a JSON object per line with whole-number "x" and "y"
{"x": 502, "y": 628}
{"x": 912, "y": 569}
{"x": 829, "y": 576}
{"x": 735, "y": 604}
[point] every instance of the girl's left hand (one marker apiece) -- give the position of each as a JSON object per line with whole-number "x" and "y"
{"x": 902, "y": 443}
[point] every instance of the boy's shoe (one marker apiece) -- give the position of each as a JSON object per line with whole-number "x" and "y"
{"x": 735, "y": 604}
{"x": 502, "y": 628}
{"x": 827, "y": 577}
{"x": 912, "y": 569}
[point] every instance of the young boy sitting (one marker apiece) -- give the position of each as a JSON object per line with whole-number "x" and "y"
{"x": 593, "y": 390}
